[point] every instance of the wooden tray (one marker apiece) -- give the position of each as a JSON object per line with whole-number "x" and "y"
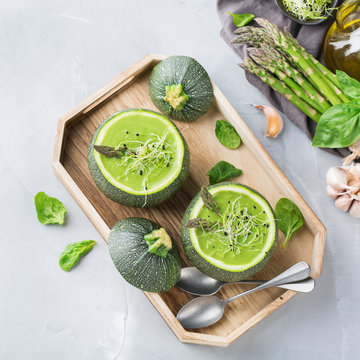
{"x": 130, "y": 90}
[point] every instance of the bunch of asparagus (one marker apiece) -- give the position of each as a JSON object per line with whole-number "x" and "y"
{"x": 280, "y": 61}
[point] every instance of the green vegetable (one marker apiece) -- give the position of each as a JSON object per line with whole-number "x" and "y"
{"x": 305, "y": 9}
{"x": 274, "y": 62}
{"x": 227, "y": 134}
{"x": 73, "y": 252}
{"x": 49, "y": 210}
{"x": 281, "y": 88}
{"x": 339, "y": 126}
{"x": 301, "y": 59}
{"x": 144, "y": 254}
{"x": 222, "y": 171}
{"x": 181, "y": 88}
{"x": 289, "y": 218}
{"x": 241, "y": 19}
{"x": 283, "y": 64}
{"x": 350, "y": 86}
{"x": 236, "y": 241}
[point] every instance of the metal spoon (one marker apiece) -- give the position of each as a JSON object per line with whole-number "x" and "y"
{"x": 207, "y": 310}
{"x": 195, "y": 282}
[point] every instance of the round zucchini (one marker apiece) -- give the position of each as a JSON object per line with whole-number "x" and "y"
{"x": 144, "y": 186}
{"x": 181, "y": 88}
{"x": 144, "y": 254}
{"x": 234, "y": 241}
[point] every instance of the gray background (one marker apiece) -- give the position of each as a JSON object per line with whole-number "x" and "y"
{"x": 53, "y": 55}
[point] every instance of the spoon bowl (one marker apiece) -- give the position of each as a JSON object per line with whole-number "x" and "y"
{"x": 195, "y": 282}
{"x": 212, "y": 310}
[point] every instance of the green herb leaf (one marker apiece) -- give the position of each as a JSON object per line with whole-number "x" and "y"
{"x": 350, "y": 86}
{"x": 49, "y": 210}
{"x": 289, "y": 218}
{"x": 222, "y": 171}
{"x": 339, "y": 126}
{"x": 241, "y": 19}
{"x": 73, "y": 252}
{"x": 227, "y": 134}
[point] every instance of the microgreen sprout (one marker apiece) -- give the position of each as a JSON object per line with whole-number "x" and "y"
{"x": 143, "y": 157}
{"x": 237, "y": 229}
{"x": 307, "y": 9}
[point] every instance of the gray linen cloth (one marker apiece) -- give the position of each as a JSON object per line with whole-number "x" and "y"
{"x": 310, "y": 37}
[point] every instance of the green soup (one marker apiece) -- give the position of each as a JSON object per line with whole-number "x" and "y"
{"x": 153, "y": 152}
{"x": 241, "y": 235}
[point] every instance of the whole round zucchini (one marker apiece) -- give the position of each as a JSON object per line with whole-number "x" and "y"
{"x": 138, "y": 158}
{"x": 144, "y": 254}
{"x": 229, "y": 231}
{"x": 181, "y": 88}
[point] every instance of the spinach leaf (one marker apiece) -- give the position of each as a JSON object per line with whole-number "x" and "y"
{"x": 227, "y": 134}
{"x": 241, "y": 19}
{"x": 350, "y": 86}
{"x": 222, "y": 171}
{"x": 73, "y": 252}
{"x": 288, "y": 217}
{"x": 49, "y": 210}
{"x": 339, "y": 126}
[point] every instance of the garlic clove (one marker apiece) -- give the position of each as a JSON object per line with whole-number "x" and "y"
{"x": 274, "y": 120}
{"x": 354, "y": 186}
{"x": 333, "y": 193}
{"x": 355, "y": 209}
{"x": 338, "y": 178}
{"x": 343, "y": 202}
{"x": 354, "y": 170}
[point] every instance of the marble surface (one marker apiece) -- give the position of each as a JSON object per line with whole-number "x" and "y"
{"x": 53, "y": 55}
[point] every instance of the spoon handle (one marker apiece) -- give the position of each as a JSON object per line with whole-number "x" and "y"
{"x": 297, "y": 272}
{"x": 306, "y": 285}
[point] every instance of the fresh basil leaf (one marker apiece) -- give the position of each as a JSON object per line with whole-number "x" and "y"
{"x": 49, "y": 210}
{"x": 241, "y": 19}
{"x": 350, "y": 86}
{"x": 289, "y": 218}
{"x": 227, "y": 134}
{"x": 339, "y": 126}
{"x": 73, "y": 252}
{"x": 222, "y": 171}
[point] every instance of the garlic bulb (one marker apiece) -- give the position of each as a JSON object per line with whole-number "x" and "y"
{"x": 344, "y": 186}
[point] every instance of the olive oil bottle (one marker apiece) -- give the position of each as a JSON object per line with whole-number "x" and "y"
{"x": 342, "y": 42}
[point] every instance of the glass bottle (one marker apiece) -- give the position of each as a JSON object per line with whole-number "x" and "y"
{"x": 342, "y": 42}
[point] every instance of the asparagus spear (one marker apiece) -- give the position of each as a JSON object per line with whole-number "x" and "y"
{"x": 314, "y": 75}
{"x": 327, "y": 74}
{"x": 280, "y": 87}
{"x": 297, "y": 76}
{"x": 271, "y": 65}
{"x": 257, "y": 37}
